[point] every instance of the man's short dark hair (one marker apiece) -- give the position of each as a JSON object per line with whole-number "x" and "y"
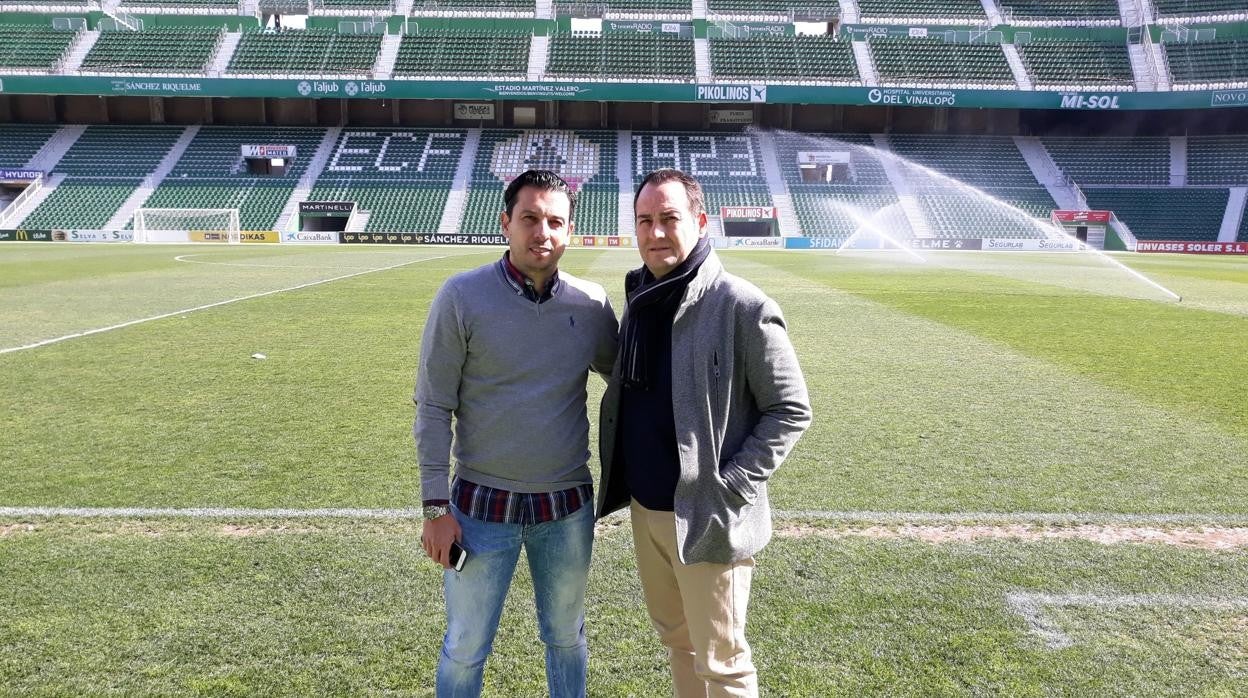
{"x": 693, "y": 190}
{"x": 543, "y": 180}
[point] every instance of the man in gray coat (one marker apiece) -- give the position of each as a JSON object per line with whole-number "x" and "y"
{"x": 705, "y": 401}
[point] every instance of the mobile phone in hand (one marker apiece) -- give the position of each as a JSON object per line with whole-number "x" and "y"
{"x": 458, "y": 556}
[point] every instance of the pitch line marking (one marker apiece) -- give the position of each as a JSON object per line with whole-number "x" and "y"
{"x": 1030, "y": 606}
{"x": 87, "y": 333}
{"x": 877, "y": 517}
{"x": 186, "y": 259}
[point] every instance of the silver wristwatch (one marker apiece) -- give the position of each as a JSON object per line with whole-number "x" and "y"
{"x": 433, "y": 511}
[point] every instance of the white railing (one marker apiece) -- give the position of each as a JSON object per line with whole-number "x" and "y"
{"x": 10, "y": 213}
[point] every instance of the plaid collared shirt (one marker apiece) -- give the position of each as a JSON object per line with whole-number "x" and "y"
{"x": 523, "y": 285}
{"x": 500, "y": 506}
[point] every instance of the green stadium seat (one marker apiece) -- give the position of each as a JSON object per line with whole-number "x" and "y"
{"x": 1165, "y": 213}
{"x": 490, "y": 8}
{"x": 500, "y": 53}
{"x": 20, "y": 142}
{"x": 211, "y": 173}
{"x": 29, "y": 49}
{"x": 1082, "y": 64}
{"x": 305, "y": 52}
{"x": 586, "y": 159}
{"x": 1210, "y": 64}
{"x": 932, "y": 61}
{"x": 1213, "y": 10}
{"x": 656, "y": 57}
{"x": 1111, "y": 161}
{"x": 82, "y": 202}
{"x": 906, "y": 11}
{"x": 767, "y": 9}
{"x": 1061, "y": 12}
{"x": 402, "y": 177}
{"x": 781, "y": 58}
{"x": 153, "y": 51}
{"x": 1217, "y": 160}
{"x": 729, "y": 165}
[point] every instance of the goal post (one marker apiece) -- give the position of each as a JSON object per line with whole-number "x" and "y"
{"x": 187, "y": 224}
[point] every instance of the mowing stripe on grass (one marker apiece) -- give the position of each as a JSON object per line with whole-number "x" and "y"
{"x": 1030, "y": 606}
{"x": 878, "y": 517}
{"x": 162, "y": 316}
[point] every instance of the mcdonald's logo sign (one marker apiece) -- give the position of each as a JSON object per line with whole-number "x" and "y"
{"x": 24, "y": 235}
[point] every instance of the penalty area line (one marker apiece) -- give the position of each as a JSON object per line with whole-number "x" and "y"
{"x": 162, "y": 316}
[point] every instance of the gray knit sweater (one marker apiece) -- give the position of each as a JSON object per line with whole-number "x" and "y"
{"x": 512, "y": 374}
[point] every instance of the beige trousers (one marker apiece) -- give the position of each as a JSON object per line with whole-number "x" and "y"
{"x": 698, "y": 609}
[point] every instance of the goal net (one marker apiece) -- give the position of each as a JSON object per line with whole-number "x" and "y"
{"x": 183, "y": 224}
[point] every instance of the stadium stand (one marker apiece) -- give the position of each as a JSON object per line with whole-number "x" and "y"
{"x": 1210, "y": 64}
{"x": 1110, "y": 161}
{"x": 992, "y": 165}
{"x": 728, "y": 165}
{"x": 401, "y": 177}
{"x": 1171, "y": 213}
{"x": 824, "y": 208}
{"x": 1058, "y": 64}
{"x": 647, "y": 8}
{"x": 1243, "y": 229}
{"x": 492, "y": 7}
{"x": 182, "y": 6}
{"x": 1217, "y": 160}
{"x": 587, "y": 159}
{"x": 102, "y": 168}
{"x": 656, "y": 57}
{"x": 350, "y": 5}
{"x": 1209, "y": 10}
{"x": 212, "y": 174}
{"x": 153, "y": 51}
{"x": 1059, "y": 13}
{"x": 305, "y": 52}
{"x": 467, "y": 53}
{"x": 934, "y": 62}
{"x": 784, "y": 58}
{"x": 922, "y": 11}
{"x": 767, "y": 9}
{"x": 27, "y": 49}
{"x": 20, "y": 142}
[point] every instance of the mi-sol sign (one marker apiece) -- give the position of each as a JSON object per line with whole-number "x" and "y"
{"x": 1090, "y": 102}
{"x": 1187, "y": 247}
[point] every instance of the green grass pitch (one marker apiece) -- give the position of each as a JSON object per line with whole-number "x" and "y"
{"x": 1031, "y": 395}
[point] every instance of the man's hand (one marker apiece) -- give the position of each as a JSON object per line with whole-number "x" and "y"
{"x": 437, "y": 537}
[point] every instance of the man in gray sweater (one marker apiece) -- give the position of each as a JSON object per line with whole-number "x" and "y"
{"x": 705, "y": 402}
{"x": 504, "y": 360}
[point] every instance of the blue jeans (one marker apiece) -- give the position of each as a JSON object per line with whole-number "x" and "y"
{"x": 558, "y": 554}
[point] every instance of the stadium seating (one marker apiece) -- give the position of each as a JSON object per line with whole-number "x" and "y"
{"x": 310, "y": 52}
{"x": 212, "y": 174}
{"x": 346, "y": 5}
{"x": 932, "y": 61}
{"x": 82, "y": 202}
{"x": 771, "y": 8}
{"x": 1061, "y": 12}
{"x": 987, "y": 162}
{"x": 401, "y": 177}
{"x": 1211, "y": 63}
{"x": 905, "y": 11}
{"x": 145, "y": 5}
{"x": 833, "y": 210}
{"x": 1173, "y": 213}
{"x": 728, "y": 165}
{"x": 1217, "y": 160}
{"x": 153, "y": 51}
{"x": 779, "y": 58}
{"x": 20, "y": 142}
{"x": 32, "y": 49}
{"x": 101, "y": 169}
{"x": 1110, "y": 161}
{"x": 469, "y": 53}
{"x": 657, "y": 57}
{"x": 1243, "y": 229}
{"x": 506, "y": 6}
{"x": 1219, "y": 9}
{"x": 586, "y": 159}
{"x": 1055, "y": 63}
{"x": 1018, "y": 212}
{"x": 648, "y": 7}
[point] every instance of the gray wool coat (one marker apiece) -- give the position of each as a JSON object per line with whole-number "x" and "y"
{"x": 740, "y": 404}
